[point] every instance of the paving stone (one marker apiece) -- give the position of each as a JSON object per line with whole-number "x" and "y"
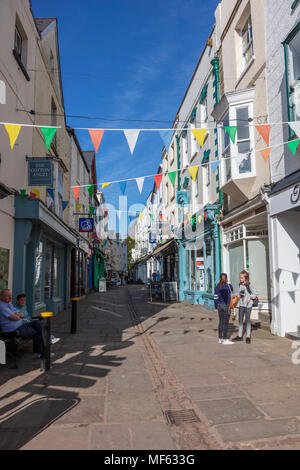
{"x": 110, "y": 437}
{"x": 133, "y": 407}
{"x": 213, "y": 392}
{"x": 151, "y": 436}
{"x": 60, "y": 438}
{"x": 229, "y": 410}
{"x": 90, "y": 409}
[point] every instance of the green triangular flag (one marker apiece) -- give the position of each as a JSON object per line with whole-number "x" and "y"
{"x": 172, "y": 176}
{"x": 293, "y": 145}
{"x": 91, "y": 190}
{"x": 231, "y": 131}
{"x": 92, "y": 211}
{"x": 151, "y": 216}
{"x": 23, "y": 194}
{"x": 48, "y": 133}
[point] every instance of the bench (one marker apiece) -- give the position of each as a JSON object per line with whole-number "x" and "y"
{"x": 12, "y": 345}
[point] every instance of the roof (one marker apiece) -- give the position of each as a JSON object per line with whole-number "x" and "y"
{"x": 43, "y": 23}
{"x": 293, "y": 178}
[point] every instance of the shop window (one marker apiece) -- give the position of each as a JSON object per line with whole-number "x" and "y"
{"x": 38, "y": 274}
{"x": 200, "y": 277}
{"x": 193, "y": 269}
{"x": 4, "y": 267}
{"x": 48, "y": 272}
{"x": 292, "y": 53}
{"x": 187, "y": 269}
{"x": 55, "y": 285}
{"x": 208, "y": 266}
{"x": 226, "y": 149}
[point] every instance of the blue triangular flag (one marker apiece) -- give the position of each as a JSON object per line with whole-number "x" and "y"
{"x": 166, "y": 138}
{"x": 123, "y": 185}
{"x": 64, "y": 205}
{"x": 51, "y": 193}
{"x": 215, "y": 165}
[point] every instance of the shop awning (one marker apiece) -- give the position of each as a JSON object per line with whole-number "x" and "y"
{"x": 162, "y": 248}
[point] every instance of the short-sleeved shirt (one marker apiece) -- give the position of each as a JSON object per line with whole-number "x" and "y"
{"x": 6, "y": 311}
{"x": 24, "y": 311}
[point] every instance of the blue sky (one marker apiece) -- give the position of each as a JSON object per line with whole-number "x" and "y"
{"x": 130, "y": 59}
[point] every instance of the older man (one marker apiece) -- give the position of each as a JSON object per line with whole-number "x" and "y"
{"x": 12, "y": 321}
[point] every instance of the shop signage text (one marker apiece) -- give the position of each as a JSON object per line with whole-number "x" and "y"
{"x": 86, "y": 225}
{"x": 40, "y": 172}
{"x": 295, "y": 196}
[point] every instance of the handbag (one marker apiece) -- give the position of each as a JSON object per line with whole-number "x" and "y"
{"x": 234, "y": 299}
{"x": 254, "y": 301}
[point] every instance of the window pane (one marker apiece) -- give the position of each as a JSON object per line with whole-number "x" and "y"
{"x": 244, "y": 162}
{"x": 187, "y": 269}
{"x": 295, "y": 52}
{"x": 258, "y": 267}
{"x": 38, "y": 274}
{"x": 193, "y": 270}
{"x": 48, "y": 272}
{"x": 236, "y": 263}
{"x": 55, "y": 273}
{"x": 208, "y": 266}
{"x": 200, "y": 270}
{"x": 242, "y": 116}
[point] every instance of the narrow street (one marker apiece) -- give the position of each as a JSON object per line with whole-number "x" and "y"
{"x": 141, "y": 375}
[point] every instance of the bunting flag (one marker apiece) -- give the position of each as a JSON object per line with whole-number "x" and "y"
{"x": 64, "y": 205}
{"x": 141, "y": 216}
{"x": 96, "y": 136}
{"x": 215, "y": 165}
{"x": 200, "y": 135}
{"x": 32, "y": 195}
{"x": 189, "y": 216}
{"x": 140, "y": 184}
{"x": 105, "y": 185}
{"x": 23, "y": 194}
{"x": 79, "y": 207}
{"x": 123, "y": 185}
{"x": 194, "y": 172}
{"x": 161, "y": 217}
{"x": 185, "y": 223}
{"x": 119, "y": 214}
{"x": 158, "y": 179}
{"x": 48, "y": 133}
{"x": 264, "y": 131}
{"x": 172, "y": 175}
{"x": 92, "y": 211}
{"x": 231, "y": 131}
{"x": 13, "y": 132}
{"x": 292, "y": 145}
{"x": 151, "y": 216}
{"x": 91, "y": 190}
{"x": 205, "y": 216}
{"x": 76, "y": 192}
{"x": 166, "y": 137}
{"x": 132, "y": 137}
{"x": 51, "y": 193}
{"x": 37, "y": 193}
{"x": 295, "y": 126}
{"x": 200, "y": 219}
{"x": 265, "y": 153}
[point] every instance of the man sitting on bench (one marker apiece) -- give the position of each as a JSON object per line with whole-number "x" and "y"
{"x": 12, "y": 321}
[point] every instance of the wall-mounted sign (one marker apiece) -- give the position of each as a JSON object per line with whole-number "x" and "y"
{"x": 86, "y": 225}
{"x": 40, "y": 172}
{"x": 152, "y": 238}
{"x": 295, "y": 197}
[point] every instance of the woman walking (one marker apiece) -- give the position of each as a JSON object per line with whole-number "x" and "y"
{"x": 222, "y": 298}
{"x": 246, "y": 297}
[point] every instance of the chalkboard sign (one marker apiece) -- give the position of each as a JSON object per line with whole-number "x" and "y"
{"x": 170, "y": 292}
{"x": 155, "y": 290}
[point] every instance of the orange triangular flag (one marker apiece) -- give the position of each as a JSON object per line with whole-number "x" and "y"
{"x": 76, "y": 192}
{"x": 265, "y": 153}
{"x": 96, "y": 136}
{"x": 264, "y": 132}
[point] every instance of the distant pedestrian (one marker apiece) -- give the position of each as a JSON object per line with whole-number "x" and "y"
{"x": 222, "y": 298}
{"x": 246, "y": 297}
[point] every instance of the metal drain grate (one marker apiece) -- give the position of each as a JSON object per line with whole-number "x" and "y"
{"x": 181, "y": 417}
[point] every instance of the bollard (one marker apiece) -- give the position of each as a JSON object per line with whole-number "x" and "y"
{"x": 46, "y": 334}
{"x": 74, "y": 316}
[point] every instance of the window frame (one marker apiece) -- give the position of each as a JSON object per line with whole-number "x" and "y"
{"x": 287, "y": 57}
{"x": 250, "y": 44}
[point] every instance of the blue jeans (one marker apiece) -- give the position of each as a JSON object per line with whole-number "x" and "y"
{"x": 223, "y": 320}
{"x": 32, "y": 330}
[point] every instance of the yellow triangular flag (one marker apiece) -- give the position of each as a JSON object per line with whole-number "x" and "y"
{"x": 37, "y": 193}
{"x": 141, "y": 216}
{"x": 79, "y": 206}
{"x": 200, "y": 134}
{"x": 189, "y": 217}
{"x": 200, "y": 219}
{"x": 13, "y": 131}
{"x": 194, "y": 171}
{"x": 104, "y": 185}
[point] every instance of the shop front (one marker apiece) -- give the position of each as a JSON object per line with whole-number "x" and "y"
{"x": 199, "y": 259}
{"x": 284, "y": 225}
{"x": 79, "y": 272}
{"x": 42, "y": 254}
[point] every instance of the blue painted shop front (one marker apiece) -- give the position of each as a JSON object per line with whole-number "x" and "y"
{"x": 200, "y": 260}
{"x": 42, "y": 253}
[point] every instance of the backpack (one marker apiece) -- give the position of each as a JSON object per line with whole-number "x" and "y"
{"x": 255, "y": 301}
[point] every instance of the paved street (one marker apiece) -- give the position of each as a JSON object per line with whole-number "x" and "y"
{"x": 136, "y": 367}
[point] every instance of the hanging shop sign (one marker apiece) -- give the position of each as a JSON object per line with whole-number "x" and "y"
{"x": 40, "y": 172}
{"x": 152, "y": 238}
{"x": 86, "y": 225}
{"x": 182, "y": 198}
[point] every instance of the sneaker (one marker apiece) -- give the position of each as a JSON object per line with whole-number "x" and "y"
{"x": 248, "y": 340}
{"x": 40, "y": 356}
{"x": 54, "y": 340}
{"x": 227, "y": 341}
{"x": 238, "y": 338}
{"x": 220, "y": 341}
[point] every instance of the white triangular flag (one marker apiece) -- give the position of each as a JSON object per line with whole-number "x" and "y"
{"x": 295, "y": 126}
{"x": 140, "y": 183}
{"x": 132, "y": 137}
{"x": 119, "y": 213}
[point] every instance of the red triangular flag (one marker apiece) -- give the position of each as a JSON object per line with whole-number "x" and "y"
{"x": 205, "y": 216}
{"x": 264, "y": 132}
{"x": 32, "y": 196}
{"x": 161, "y": 217}
{"x": 158, "y": 179}
{"x": 265, "y": 153}
{"x": 76, "y": 192}
{"x": 96, "y": 136}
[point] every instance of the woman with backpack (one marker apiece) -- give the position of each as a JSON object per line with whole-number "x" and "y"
{"x": 222, "y": 298}
{"x": 247, "y": 296}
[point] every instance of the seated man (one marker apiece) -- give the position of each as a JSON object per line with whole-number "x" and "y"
{"x": 22, "y": 307}
{"x": 12, "y": 321}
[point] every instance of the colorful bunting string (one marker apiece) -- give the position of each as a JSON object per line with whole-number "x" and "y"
{"x": 200, "y": 135}
{"x": 194, "y": 172}
{"x": 13, "y": 133}
{"x": 96, "y": 137}
{"x": 64, "y": 205}
{"x": 131, "y": 137}
{"x": 231, "y": 131}
{"x": 48, "y": 133}
{"x": 172, "y": 175}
